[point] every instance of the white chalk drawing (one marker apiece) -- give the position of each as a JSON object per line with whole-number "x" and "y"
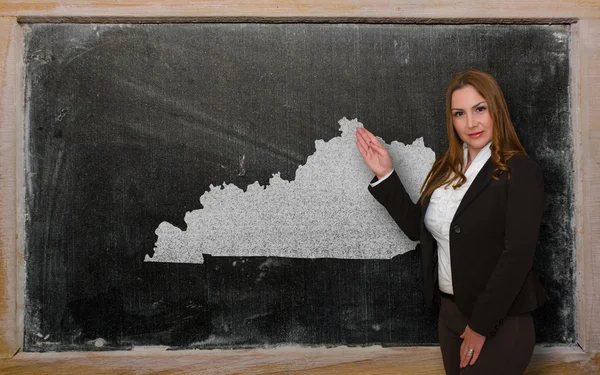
{"x": 325, "y": 212}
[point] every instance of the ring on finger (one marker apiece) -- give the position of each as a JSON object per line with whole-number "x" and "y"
{"x": 470, "y": 352}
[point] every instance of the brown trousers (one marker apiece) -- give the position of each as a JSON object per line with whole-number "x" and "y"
{"x": 508, "y": 352}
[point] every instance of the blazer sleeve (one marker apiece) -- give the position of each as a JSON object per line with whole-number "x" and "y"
{"x": 524, "y": 208}
{"x": 393, "y": 196}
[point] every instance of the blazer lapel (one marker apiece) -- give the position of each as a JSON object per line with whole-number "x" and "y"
{"x": 481, "y": 180}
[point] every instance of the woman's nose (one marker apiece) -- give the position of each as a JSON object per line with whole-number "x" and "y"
{"x": 471, "y": 123}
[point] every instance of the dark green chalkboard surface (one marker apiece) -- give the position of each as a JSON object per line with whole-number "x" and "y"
{"x": 128, "y": 125}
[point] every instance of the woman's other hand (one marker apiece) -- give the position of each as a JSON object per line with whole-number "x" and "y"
{"x": 375, "y": 155}
{"x": 471, "y": 340}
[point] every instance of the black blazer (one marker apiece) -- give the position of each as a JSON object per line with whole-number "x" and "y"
{"x": 493, "y": 237}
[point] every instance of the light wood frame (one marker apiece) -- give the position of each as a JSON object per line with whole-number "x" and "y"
{"x": 584, "y": 15}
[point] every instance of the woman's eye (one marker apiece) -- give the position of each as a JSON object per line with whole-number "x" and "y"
{"x": 480, "y": 109}
{"x": 458, "y": 113}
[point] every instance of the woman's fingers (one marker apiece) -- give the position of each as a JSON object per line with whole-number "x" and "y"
{"x": 362, "y": 136}
{"x": 471, "y": 347}
{"x": 376, "y": 145}
{"x": 368, "y": 134}
{"x": 364, "y": 152}
{"x": 364, "y": 149}
{"x": 375, "y": 155}
{"x": 379, "y": 149}
{"x": 364, "y": 145}
{"x": 463, "y": 354}
{"x": 474, "y": 357}
{"x": 361, "y": 140}
{"x": 370, "y": 141}
{"x": 369, "y": 138}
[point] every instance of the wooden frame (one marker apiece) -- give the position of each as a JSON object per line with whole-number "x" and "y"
{"x": 584, "y": 15}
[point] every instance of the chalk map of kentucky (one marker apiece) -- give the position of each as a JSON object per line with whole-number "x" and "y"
{"x": 326, "y": 211}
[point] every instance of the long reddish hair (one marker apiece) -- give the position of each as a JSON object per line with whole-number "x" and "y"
{"x": 448, "y": 168}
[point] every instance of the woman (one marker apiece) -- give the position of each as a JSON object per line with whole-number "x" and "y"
{"x": 477, "y": 222}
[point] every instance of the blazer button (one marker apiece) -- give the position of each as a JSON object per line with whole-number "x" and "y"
{"x": 456, "y": 229}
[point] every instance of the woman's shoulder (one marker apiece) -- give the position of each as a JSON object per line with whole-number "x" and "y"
{"x": 522, "y": 161}
{"x": 523, "y": 165}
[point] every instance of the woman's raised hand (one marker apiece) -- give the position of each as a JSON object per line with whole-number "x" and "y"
{"x": 375, "y": 155}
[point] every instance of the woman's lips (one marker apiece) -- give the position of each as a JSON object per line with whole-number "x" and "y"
{"x": 475, "y": 135}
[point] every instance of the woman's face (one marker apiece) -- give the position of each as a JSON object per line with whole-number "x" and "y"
{"x": 471, "y": 119}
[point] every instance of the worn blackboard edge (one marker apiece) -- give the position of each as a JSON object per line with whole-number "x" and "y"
{"x": 50, "y": 348}
{"x": 374, "y": 20}
{"x": 302, "y": 346}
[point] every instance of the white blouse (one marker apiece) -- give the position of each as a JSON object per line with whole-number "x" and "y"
{"x": 441, "y": 210}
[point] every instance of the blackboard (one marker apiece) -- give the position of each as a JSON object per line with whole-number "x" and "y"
{"x": 129, "y": 125}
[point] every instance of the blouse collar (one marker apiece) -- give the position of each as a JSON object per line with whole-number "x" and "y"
{"x": 482, "y": 156}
